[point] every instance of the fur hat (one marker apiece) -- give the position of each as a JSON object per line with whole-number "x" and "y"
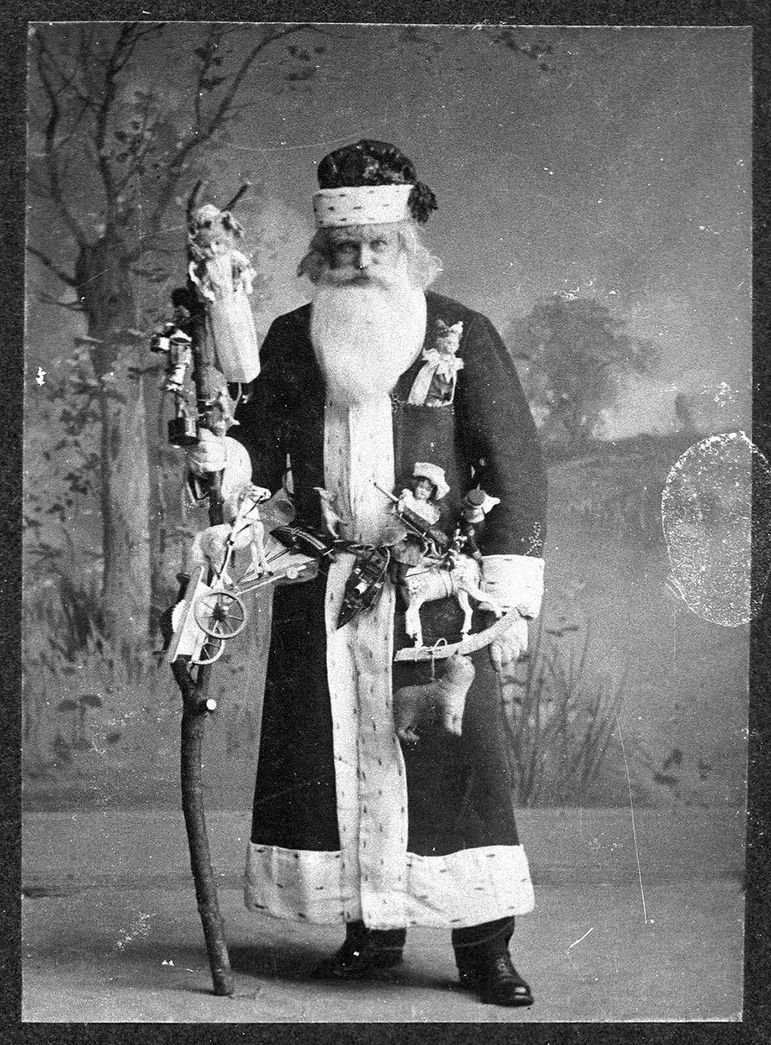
{"x": 434, "y": 474}
{"x": 370, "y": 183}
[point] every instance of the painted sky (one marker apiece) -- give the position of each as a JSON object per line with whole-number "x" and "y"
{"x": 622, "y": 172}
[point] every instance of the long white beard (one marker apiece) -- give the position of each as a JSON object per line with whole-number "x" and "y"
{"x": 365, "y": 337}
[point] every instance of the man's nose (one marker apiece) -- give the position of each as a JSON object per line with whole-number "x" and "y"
{"x": 364, "y": 256}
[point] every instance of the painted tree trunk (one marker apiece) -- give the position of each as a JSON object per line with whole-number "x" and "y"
{"x": 165, "y": 500}
{"x": 104, "y": 288}
{"x": 125, "y": 485}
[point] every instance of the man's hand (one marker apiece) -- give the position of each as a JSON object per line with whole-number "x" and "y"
{"x": 510, "y": 646}
{"x": 220, "y": 453}
{"x": 209, "y": 455}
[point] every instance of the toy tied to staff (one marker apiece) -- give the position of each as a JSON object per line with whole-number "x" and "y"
{"x": 175, "y": 341}
{"x": 211, "y": 609}
{"x": 223, "y": 277}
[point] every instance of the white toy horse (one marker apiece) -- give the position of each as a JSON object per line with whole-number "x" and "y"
{"x": 428, "y": 583}
{"x": 216, "y": 544}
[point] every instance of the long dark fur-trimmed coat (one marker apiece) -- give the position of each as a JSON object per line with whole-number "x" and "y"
{"x": 445, "y": 812}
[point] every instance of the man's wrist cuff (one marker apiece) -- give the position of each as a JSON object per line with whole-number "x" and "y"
{"x": 515, "y": 582}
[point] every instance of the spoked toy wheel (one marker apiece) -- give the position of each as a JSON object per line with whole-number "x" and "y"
{"x": 211, "y": 650}
{"x": 220, "y": 614}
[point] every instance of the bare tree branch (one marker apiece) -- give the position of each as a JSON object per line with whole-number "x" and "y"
{"x": 121, "y": 53}
{"x": 52, "y": 266}
{"x": 85, "y": 106}
{"x": 103, "y": 111}
{"x": 223, "y": 111}
{"x": 70, "y": 306}
{"x": 192, "y": 200}
{"x": 91, "y": 93}
{"x": 201, "y": 81}
{"x": 244, "y": 188}
{"x": 137, "y": 150}
{"x": 129, "y": 40}
{"x": 68, "y": 80}
{"x": 52, "y": 165}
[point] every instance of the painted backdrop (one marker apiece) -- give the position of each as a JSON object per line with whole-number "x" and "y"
{"x": 594, "y": 201}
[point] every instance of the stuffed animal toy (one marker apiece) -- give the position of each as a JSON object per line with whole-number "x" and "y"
{"x": 442, "y": 700}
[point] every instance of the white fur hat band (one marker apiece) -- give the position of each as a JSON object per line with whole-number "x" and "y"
{"x": 361, "y": 205}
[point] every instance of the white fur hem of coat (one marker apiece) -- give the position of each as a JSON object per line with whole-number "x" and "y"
{"x": 455, "y": 891}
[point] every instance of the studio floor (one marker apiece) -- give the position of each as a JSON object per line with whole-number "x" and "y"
{"x": 111, "y": 933}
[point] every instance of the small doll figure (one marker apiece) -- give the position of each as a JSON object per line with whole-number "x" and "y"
{"x": 223, "y": 276}
{"x": 476, "y": 505}
{"x": 437, "y": 378}
{"x": 416, "y": 506}
{"x": 428, "y": 486}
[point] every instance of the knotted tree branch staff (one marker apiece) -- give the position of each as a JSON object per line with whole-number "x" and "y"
{"x": 213, "y": 330}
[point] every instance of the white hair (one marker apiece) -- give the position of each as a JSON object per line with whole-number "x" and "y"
{"x": 423, "y": 266}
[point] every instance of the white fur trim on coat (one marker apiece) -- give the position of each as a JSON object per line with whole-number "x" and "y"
{"x": 369, "y": 769}
{"x": 515, "y": 581}
{"x": 454, "y": 891}
{"x": 361, "y": 205}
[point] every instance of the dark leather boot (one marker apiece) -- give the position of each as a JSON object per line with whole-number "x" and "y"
{"x": 484, "y": 964}
{"x": 364, "y": 950}
{"x": 499, "y": 983}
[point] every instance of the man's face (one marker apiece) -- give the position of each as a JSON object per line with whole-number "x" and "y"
{"x": 364, "y": 254}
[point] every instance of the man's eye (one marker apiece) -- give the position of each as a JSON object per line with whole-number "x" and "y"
{"x": 378, "y": 244}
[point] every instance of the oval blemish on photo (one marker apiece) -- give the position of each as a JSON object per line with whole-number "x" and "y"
{"x": 716, "y": 516}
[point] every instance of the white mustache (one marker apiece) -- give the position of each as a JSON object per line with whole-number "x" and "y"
{"x": 363, "y": 278}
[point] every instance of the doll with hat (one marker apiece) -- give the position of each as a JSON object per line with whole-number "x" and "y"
{"x": 419, "y": 514}
{"x": 476, "y": 505}
{"x": 428, "y": 486}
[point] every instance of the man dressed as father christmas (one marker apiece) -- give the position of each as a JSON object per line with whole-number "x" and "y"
{"x": 351, "y": 825}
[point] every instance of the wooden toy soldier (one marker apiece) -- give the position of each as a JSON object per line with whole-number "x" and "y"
{"x": 465, "y": 538}
{"x": 351, "y": 827}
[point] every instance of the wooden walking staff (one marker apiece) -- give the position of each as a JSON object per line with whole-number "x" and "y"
{"x": 212, "y": 413}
